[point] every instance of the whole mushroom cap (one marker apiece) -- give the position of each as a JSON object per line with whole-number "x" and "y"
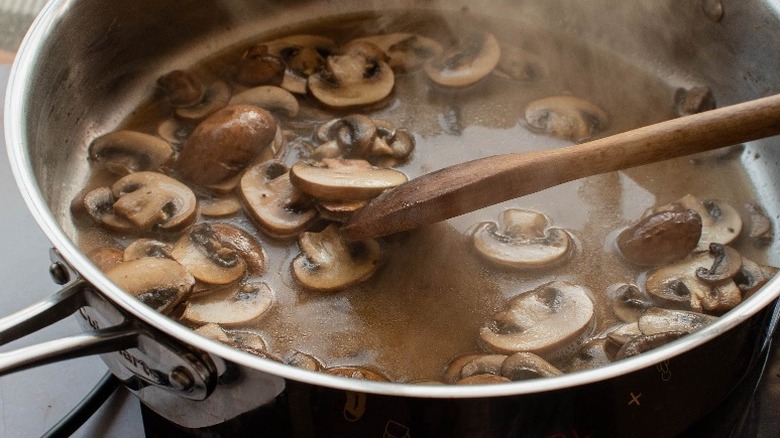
{"x": 224, "y": 143}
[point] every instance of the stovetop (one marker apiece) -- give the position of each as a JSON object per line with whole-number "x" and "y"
{"x": 32, "y": 401}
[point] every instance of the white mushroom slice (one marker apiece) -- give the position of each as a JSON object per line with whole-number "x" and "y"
{"x": 524, "y": 366}
{"x": 483, "y": 379}
{"x": 213, "y": 331}
{"x": 141, "y": 248}
{"x": 629, "y": 302}
{"x": 251, "y": 341}
{"x": 230, "y": 306}
{"x": 158, "y": 283}
{"x": 467, "y": 62}
{"x": 220, "y": 207}
{"x": 352, "y": 80}
{"x": 181, "y": 88}
{"x": 339, "y": 211}
{"x": 269, "y": 97}
{"x": 105, "y": 258}
{"x": 246, "y": 245}
{"x": 452, "y": 371}
{"x": 258, "y": 67}
{"x": 660, "y": 320}
{"x": 328, "y": 262}
{"x": 624, "y": 333}
{"x": 354, "y": 135}
{"x": 483, "y": 364}
{"x": 550, "y": 321}
{"x": 360, "y": 373}
{"x": 274, "y": 204}
{"x": 173, "y": 132}
{"x": 566, "y": 117}
{"x": 752, "y": 276}
{"x": 526, "y": 241}
{"x": 123, "y": 152}
{"x": 204, "y": 255}
{"x": 677, "y": 286}
{"x": 720, "y": 221}
{"x": 406, "y": 51}
{"x": 594, "y": 353}
{"x": 344, "y": 180}
{"x": 306, "y": 361}
{"x": 216, "y": 97}
{"x": 302, "y": 53}
{"x": 641, "y": 344}
{"x": 294, "y": 82}
{"x": 151, "y": 200}
{"x": 760, "y": 225}
{"x": 98, "y": 205}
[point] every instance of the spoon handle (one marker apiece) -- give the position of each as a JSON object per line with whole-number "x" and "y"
{"x": 472, "y": 185}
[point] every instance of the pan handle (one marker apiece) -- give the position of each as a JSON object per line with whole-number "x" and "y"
{"x": 143, "y": 358}
{"x": 48, "y": 311}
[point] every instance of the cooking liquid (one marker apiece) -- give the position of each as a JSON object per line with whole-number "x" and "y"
{"x": 426, "y": 303}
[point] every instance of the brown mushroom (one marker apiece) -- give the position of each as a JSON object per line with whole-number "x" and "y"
{"x": 157, "y": 282}
{"x": 216, "y": 96}
{"x": 151, "y": 200}
{"x": 360, "y": 373}
{"x": 752, "y": 276}
{"x": 274, "y": 204}
{"x": 181, "y": 88}
{"x": 760, "y": 230}
{"x": 123, "y": 152}
{"x": 566, "y": 117}
{"x": 274, "y": 99}
{"x": 105, "y": 257}
{"x": 259, "y": 67}
{"x": 659, "y": 320}
{"x": 352, "y": 80}
{"x": 466, "y": 62}
{"x": 224, "y": 143}
{"x": 525, "y": 242}
{"x": 328, "y": 262}
{"x": 483, "y": 379}
{"x": 694, "y": 100}
{"x": 353, "y": 137}
{"x": 98, "y": 205}
{"x": 344, "y": 180}
{"x": 220, "y": 206}
{"x": 232, "y": 305}
{"x": 551, "y": 321}
{"x": 661, "y": 237}
{"x": 305, "y": 361}
{"x": 629, "y": 302}
{"x": 483, "y": 364}
{"x": 203, "y": 253}
{"x": 643, "y": 343}
{"x": 243, "y": 242}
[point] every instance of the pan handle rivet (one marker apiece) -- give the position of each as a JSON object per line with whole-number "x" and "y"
{"x": 59, "y": 273}
{"x": 180, "y": 379}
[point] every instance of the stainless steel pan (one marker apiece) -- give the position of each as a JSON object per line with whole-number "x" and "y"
{"x": 85, "y": 64}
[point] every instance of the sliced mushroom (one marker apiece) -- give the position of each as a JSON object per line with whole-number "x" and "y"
{"x": 641, "y": 344}
{"x": 524, "y": 366}
{"x": 303, "y": 53}
{"x": 217, "y": 96}
{"x": 677, "y": 286}
{"x": 141, "y": 248}
{"x": 220, "y": 206}
{"x": 251, "y": 341}
{"x": 344, "y": 180}
{"x": 725, "y": 265}
{"x": 661, "y": 237}
{"x": 339, "y": 211}
{"x": 274, "y": 99}
{"x": 692, "y": 101}
{"x": 550, "y": 321}
{"x": 213, "y": 331}
{"x": 205, "y": 255}
{"x": 156, "y": 282}
{"x": 243, "y": 242}
{"x": 123, "y": 152}
{"x": 519, "y": 65}
{"x": 594, "y": 353}
{"x": 659, "y": 320}
{"x": 151, "y": 200}
{"x": 360, "y": 373}
{"x": 452, "y": 372}
{"x": 760, "y": 230}
{"x": 276, "y": 206}
{"x": 224, "y": 143}
{"x": 483, "y": 364}
{"x": 328, "y": 262}
{"x": 624, "y": 333}
{"x": 566, "y": 117}
{"x": 105, "y": 257}
{"x": 752, "y": 276}
{"x": 98, "y": 205}
{"x": 173, "y": 131}
{"x": 720, "y": 221}
{"x": 306, "y": 361}
{"x": 629, "y": 302}
{"x": 468, "y": 61}
{"x": 391, "y": 145}
{"x": 230, "y": 306}
{"x": 259, "y": 67}
{"x": 181, "y": 88}
{"x": 352, "y": 135}
{"x": 526, "y": 241}
{"x": 352, "y": 80}
{"x": 406, "y": 51}
{"x": 483, "y": 379}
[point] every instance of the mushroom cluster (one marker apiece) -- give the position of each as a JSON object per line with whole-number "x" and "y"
{"x": 223, "y": 204}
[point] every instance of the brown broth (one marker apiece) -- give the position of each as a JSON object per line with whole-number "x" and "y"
{"x": 432, "y": 293}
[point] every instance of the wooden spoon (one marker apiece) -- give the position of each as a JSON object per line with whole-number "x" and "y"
{"x": 476, "y": 184}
